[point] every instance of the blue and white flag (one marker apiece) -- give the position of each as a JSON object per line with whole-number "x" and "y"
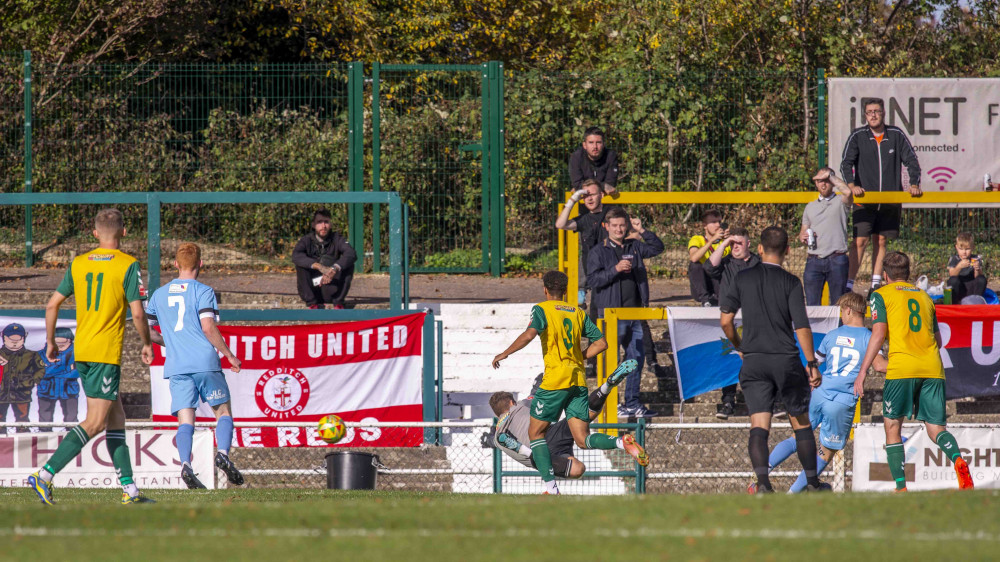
{"x": 704, "y": 358}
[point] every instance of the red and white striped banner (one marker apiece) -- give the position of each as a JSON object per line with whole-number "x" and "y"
{"x": 364, "y": 371}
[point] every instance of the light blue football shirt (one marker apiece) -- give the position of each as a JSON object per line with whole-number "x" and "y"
{"x": 843, "y": 350}
{"x": 178, "y": 308}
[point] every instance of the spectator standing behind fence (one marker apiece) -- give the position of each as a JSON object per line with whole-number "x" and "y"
{"x": 588, "y": 224}
{"x": 872, "y": 160}
{"x": 594, "y": 161}
{"x": 618, "y": 279}
{"x": 704, "y": 287}
{"x": 730, "y": 257}
{"x": 824, "y": 232}
{"x": 324, "y": 264}
{"x": 965, "y": 269}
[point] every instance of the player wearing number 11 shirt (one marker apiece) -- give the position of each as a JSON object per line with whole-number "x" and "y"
{"x": 186, "y": 312}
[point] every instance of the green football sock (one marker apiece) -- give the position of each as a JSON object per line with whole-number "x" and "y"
{"x": 946, "y": 441}
{"x": 896, "y": 456}
{"x": 543, "y": 460}
{"x": 70, "y": 447}
{"x": 118, "y": 450}
{"x": 601, "y": 441}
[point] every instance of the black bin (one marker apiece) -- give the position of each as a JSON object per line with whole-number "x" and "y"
{"x": 350, "y": 470}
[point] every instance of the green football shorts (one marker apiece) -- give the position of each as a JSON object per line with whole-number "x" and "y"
{"x": 100, "y": 380}
{"x": 548, "y": 405}
{"x": 922, "y": 399}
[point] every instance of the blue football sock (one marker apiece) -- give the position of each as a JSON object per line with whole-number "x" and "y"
{"x": 781, "y": 451}
{"x": 224, "y": 434}
{"x": 185, "y": 435}
{"x": 800, "y": 482}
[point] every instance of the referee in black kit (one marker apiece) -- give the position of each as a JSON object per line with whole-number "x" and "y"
{"x": 772, "y": 301}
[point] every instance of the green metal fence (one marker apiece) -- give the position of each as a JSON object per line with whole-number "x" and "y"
{"x": 478, "y": 154}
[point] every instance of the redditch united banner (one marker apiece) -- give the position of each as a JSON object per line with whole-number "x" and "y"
{"x": 952, "y": 123}
{"x": 705, "y": 359}
{"x": 362, "y": 371}
{"x": 971, "y": 354}
{"x": 926, "y": 467}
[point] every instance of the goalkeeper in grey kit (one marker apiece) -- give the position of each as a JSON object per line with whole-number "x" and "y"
{"x": 512, "y": 433}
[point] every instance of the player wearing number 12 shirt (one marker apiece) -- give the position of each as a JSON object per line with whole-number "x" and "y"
{"x": 186, "y": 312}
{"x": 914, "y": 380}
{"x": 564, "y": 386}
{"x": 106, "y": 282}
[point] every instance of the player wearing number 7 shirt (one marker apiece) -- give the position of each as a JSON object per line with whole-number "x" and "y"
{"x": 564, "y": 386}
{"x": 914, "y": 380}
{"x": 831, "y": 406}
{"x": 186, "y": 312}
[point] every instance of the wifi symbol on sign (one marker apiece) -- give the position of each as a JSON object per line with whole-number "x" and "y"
{"x": 942, "y": 175}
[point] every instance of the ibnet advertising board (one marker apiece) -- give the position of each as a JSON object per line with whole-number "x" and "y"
{"x": 952, "y": 123}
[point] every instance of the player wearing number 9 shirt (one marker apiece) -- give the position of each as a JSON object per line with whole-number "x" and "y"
{"x": 914, "y": 380}
{"x": 564, "y": 386}
{"x": 106, "y": 282}
{"x": 186, "y": 312}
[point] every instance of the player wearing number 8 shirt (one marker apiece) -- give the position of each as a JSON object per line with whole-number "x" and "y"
{"x": 186, "y": 312}
{"x": 564, "y": 384}
{"x": 105, "y": 281}
{"x": 914, "y": 380}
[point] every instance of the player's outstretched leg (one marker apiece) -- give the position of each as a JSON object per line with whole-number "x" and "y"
{"x": 623, "y": 371}
{"x": 67, "y": 450}
{"x": 805, "y": 446}
{"x": 119, "y": 453}
{"x": 946, "y": 442}
{"x": 224, "y": 437}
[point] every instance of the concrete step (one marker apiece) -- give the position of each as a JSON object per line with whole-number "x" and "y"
{"x": 505, "y": 316}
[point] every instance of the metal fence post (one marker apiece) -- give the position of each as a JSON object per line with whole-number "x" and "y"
{"x": 29, "y": 250}
{"x": 821, "y": 116}
{"x": 395, "y": 251}
{"x": 153, "y": 239}
{"x": 355, "y": 153}
{"x": 496, "y": 146}
{"x": 497, "y": 468}
{"x": 440, "y": 374}
{"x": 429, "y": 379}
{"x": 377, "y": 169}
{"x": 640, "y": 475}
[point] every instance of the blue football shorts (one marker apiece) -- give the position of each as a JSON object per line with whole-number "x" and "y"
{"x": 187, "y": 390}
{"x": 833, "y": 414}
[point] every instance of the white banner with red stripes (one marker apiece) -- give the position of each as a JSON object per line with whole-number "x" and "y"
{"x": 367, "y": 371}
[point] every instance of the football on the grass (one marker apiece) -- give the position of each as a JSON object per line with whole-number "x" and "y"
{"x": 331, "y": 428}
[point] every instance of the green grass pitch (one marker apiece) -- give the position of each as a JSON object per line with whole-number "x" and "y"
{"x": 274, "y": 525}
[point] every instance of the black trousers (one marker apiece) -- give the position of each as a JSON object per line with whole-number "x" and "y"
{"x": 703, "y": 288}
{"x": 961, "y": 289}
{"x": 333, "y": 293}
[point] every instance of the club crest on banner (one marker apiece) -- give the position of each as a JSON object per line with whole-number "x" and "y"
{"x": 282, "y": 393}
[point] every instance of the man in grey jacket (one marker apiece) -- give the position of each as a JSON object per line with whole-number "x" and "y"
{"x": 872, "y": 161}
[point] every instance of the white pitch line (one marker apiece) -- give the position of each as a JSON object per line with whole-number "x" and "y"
{"x": 513, "y": 532}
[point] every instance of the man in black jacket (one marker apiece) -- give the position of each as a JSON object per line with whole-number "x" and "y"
{"x": 324, "y": 264}
{"x": 593, "y": 160}
{"x": 872, "y": 160}
{"x": 618, "y": 279}
{"x": 725, "y": 267}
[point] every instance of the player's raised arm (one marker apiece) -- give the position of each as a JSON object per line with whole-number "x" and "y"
{"x": 51, "y": 317}
{"x": 523, "y": 340}
{"x": 211, "y": 331}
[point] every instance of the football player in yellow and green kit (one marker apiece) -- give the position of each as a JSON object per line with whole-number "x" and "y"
{"x": 106, "y": 282}
{"x": 914, "y": 380}
{"x": 564, "y": 385}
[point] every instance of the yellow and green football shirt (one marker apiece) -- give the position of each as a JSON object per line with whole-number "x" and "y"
{"x": 909, "y": 315}
{"x": 560, "y": 326}
{"x": 104, "y": 282}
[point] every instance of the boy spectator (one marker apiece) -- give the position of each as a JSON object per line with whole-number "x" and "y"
{"x": 61, "y": 384}
{"x": 324, "y": 264}
{"x": 704, "y": 287}
{"x": 725, "y": 267}
{"x": 872, "y": 160}
{"x": 618, "y": 279}
{"x": 593, "y": 161}
{"x": 588, "y": 224}
{"x": 22, "y": 369}
{"x": 827, "y": 260}
{"x": 965, "y": 269}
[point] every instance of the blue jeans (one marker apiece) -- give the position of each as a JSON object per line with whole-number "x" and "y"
{"x": 630, "y": 338}
{"x": 831, "y": 269}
